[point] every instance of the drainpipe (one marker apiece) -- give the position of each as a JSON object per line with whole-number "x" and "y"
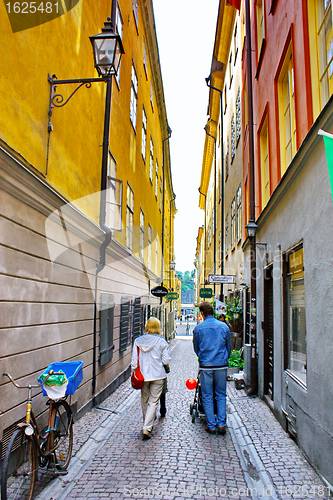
{"x": 253, "y": 330}
{"x": 222, "y": 177}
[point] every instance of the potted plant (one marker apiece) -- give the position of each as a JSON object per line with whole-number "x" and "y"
{"x": 235, "y": 362}
{"x": 234, "y": 312}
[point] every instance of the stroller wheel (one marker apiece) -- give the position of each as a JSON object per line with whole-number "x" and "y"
{"x": 194, "y": 414}
{"x": 191, "y": 408}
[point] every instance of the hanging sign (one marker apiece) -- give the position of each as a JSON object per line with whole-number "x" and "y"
{"x": 206, "y": 293}
{"x": 159, "y": 291}
{"x": 221, "y": 278}
{"x": 172, "y": 296}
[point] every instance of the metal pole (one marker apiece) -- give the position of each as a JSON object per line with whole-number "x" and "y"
{"x": 253, "y": 331}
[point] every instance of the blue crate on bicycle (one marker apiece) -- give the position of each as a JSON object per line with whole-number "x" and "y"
{"x": 73, "y": 372}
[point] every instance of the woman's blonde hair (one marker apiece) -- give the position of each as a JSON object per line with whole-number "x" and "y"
{"x": 153, "y": 325}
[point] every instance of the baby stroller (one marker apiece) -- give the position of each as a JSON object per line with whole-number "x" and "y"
{"x": 196, "y": 408}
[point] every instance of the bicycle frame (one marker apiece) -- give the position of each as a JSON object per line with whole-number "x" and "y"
{"x": 31, "y": 425}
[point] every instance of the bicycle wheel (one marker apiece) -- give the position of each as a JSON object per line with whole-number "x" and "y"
{"x": 19, "y": 467}
{"x": 61, "y": 437}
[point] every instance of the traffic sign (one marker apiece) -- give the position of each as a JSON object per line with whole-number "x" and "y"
{"x": 159, "y": 291}
{"x": 221, "y": 278}
{"x": 206, "y": 293}
{"x": 172, "y": 296}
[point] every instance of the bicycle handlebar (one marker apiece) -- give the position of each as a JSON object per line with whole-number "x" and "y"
{"x": 51, "y": 372}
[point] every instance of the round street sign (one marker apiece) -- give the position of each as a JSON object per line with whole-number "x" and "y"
{"x": 159, "y": 291}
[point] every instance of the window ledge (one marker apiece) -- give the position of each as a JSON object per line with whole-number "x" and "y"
{"x": 296, "y": 379}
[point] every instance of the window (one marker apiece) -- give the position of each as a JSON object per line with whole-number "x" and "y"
{"x": 220, "y": 184}
{"x": 295, "y": 314}
{"x": 106, "y": 316}
{"x": 152, "y": 95}
{"x": 325, "y": 48}
{"x": 160, "y": 194}
{"x": 125, "y": 324}
{"x": 264, "y": 164}
{"x": 287, "y": 120}
{"x": 238, "y": 118}
{"x": 134, "y": 97}
{"x": 129, "y": 217}
{"x": 226, "y": 236}
{"x": 149, "y": 246}
{"x": 142, "y": 234}
{"x": 119, "y": 30}
{"x": 156, "y": 180}
{"x": 227, "y": 161}
{"x": 230, "y": 71}
{"x": 239, "y": 214}
{"x": 145, "y": 56}
{"x": 144, "y": 135}
{"x": 151, "y": 163}
{"x": 233, "y": 139}
{"x": 113, "y": 196}
{"x": 235, "y": 44}
{"x": 233, "y": 224}
{"x": 260, "y": 25}
{"x": 156, "y": 255}
{"x": 220, "y": 249}
{"x": 136, "y": 12}
{"x": 225, "y": 99}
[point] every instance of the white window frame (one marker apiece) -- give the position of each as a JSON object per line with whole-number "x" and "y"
{"x": 134, "y": 97}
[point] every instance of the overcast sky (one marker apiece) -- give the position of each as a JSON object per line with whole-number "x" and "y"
{"x": 185, "y": 34}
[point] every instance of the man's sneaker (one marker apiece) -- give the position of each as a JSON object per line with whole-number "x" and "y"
{"x": 221, "y": 430}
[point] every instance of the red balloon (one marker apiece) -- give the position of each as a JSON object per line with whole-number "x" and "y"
{"x": 191, "y": 383}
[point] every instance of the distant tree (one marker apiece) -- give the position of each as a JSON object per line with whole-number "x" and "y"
{"x": 186, "y": 279}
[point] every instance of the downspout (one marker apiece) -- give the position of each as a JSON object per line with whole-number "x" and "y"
{"x": 222, "y": 178}
{"x": 253, "y": 330}
{"x": 163, "y": 200}
{"x": 204, "y": 236}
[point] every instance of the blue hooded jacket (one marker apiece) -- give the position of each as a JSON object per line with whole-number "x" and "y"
{"x": 211, "y": 342}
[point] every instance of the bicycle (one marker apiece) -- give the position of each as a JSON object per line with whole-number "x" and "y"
{"x": 28, "y": 448}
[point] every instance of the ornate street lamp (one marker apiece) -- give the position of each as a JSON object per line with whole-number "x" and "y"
{"x": 108, "y": 49}
{"x": 251, "y": 228}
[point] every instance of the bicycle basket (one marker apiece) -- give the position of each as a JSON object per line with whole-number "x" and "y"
{"x": 73, "y": 372}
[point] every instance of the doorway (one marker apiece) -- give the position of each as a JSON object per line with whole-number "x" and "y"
{"x": 268, "y": 333}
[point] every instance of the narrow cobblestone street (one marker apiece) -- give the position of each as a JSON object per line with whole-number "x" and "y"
{"x": 255, "y": 459}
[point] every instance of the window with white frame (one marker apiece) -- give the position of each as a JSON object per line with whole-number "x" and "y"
{"x": 156, "y": 180}
{"x": 145, "y": 56}
{"x": 226, "y": 233}
{"x": 160, "y": 194}
{"x": 129, "y": 217}
{"x": 156, "y": 255}
{"x": 149, "y": 245}
{"x": 119, "y": 30}
{"x": 287, "y": 119}
{"x": 134, "y": 97}
{"x": 239, "y": 214}
{"x": 151, "y": 162}
{"x": 233, "y": 224}
{"x": 233, "y": 138}
{"x": 136, "y": 12}
{"x": 238, "y": 118}
{"x": 144, "y": 135}
{"x": 152, "y": 95}
{"x": 325, "y": 49}
{"x": 142, "y": 234}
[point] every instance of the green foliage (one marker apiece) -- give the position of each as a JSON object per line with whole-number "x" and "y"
{"x": 235, "y": 359}
{"x": 233, "y": 307}
{"x": 187, "y": 279}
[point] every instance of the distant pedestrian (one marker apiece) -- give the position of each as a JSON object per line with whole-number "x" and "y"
{"x": 187, "y": 328}
{"x": 211, "y": 342}
{"x": 154, "y": 353}
{"x": 222, "y": 317}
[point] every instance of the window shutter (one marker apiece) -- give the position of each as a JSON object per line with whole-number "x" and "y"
{"x": 137, "y": 320}
{"x": 124, "y": 323}
{"x": 106, "y": 316}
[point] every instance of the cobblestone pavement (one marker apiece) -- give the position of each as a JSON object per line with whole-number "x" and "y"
{"x": 255, "y": 459}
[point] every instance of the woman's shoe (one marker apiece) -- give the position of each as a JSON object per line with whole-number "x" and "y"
{"x": 146, "y": 435}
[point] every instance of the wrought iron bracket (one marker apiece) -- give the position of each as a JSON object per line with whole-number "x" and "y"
{"x": 57, "y": 100}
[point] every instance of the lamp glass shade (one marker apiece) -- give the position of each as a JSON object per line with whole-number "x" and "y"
{"x": 107, "y": 49}
{"x": 172, "y": 265}
{"x": 251, "y": 228}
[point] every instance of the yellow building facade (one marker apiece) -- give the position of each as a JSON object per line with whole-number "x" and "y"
{"x": 50, "y": 162}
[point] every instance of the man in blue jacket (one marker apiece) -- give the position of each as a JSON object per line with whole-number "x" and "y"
{"x": 211, "y": 342}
